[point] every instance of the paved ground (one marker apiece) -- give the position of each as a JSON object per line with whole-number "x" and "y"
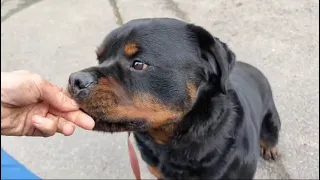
{"x": 57, "y": 37}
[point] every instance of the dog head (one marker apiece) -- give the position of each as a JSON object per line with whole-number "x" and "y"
{"x": 149, "y": 74}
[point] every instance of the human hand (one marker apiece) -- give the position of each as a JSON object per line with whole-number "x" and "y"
{"x": 32, "y": 106}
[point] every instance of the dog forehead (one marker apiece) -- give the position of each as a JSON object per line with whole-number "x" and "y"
{"x": 153, "y": 23}
{"x": 159, "y": 29}
{"x": 162, "y": 38}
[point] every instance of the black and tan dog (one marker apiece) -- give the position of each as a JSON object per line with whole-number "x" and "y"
{"x": 194, "y": 111}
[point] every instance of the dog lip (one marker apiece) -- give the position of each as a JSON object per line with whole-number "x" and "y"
{"x": 119, "y": 126}
{"x": 80, "y": 95}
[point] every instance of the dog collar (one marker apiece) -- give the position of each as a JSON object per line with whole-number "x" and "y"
{"x": 133, "y": 159}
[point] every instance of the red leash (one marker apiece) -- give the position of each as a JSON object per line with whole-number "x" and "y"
{"x": 133, "y": 159}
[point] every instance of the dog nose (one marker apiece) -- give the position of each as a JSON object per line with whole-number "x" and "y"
{"x": 80, "y": 81}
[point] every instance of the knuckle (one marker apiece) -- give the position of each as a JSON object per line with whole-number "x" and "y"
{"x": 30, "y": 75}
{"x": 38, "y": 83}
{"x": 48, "y": 134}
{"x": 59, "y": 120}
{"x": 38, "y": 79}
{"x": 24, "y": 72}
{"x": 52, "y": 128}
{"x": 51, "y": 132}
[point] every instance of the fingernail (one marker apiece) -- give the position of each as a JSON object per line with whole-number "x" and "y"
{"x": 37, "y": 120}
{"x": 68, "y": 129}
{"x": 90, "y": 123}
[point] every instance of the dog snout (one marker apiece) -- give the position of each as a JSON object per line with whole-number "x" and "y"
{"x": 80, "y": 83}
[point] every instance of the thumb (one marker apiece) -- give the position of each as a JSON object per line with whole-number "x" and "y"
{"x": 55, "y": 97}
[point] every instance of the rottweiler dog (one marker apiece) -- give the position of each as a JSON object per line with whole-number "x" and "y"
{"x": 194, "y": 110}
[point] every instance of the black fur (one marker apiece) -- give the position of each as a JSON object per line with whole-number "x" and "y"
{"x": 218, "y": 136}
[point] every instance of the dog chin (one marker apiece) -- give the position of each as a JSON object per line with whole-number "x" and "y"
{"x": 119, "y": 126}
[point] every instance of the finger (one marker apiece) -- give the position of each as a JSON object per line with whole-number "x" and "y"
{"x": 37, "y": 132}
{"x": 64, "y": 127}
{"x": 48, "y": 127}
{"x": 66, "y": 93}
{"x": 78, "y": 118}
{"x": 55, "y": 97}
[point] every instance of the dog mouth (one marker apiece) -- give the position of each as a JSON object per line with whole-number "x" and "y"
{"x": 122, "y": 125}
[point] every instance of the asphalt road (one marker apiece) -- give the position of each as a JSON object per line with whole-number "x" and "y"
{"x": 56, "y": 37}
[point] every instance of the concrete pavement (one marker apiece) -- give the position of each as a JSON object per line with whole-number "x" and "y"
{"x": 57, "y": 37}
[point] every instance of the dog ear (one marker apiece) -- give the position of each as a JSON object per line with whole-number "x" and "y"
{"x": 220, "y": 58}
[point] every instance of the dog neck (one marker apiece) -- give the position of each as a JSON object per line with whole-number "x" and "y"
{"x": 199, "y": 124}
{"x": 163, "y": 134}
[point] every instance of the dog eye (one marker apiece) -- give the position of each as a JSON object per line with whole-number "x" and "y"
{"x": 137, "y": 65}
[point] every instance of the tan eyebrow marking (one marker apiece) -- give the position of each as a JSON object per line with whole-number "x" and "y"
{"x": 130, "y": 49}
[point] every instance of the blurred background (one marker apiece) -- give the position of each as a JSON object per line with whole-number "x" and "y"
{"x": 57, "y": 37}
